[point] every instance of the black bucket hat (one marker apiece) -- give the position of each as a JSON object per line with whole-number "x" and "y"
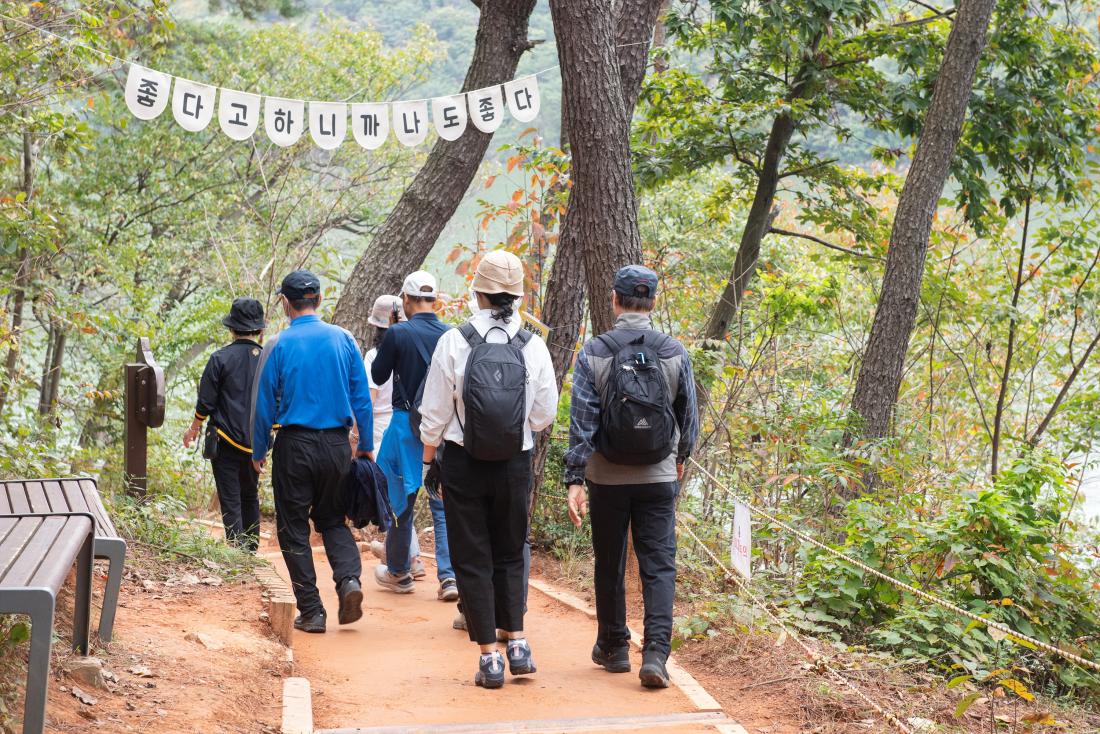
{"x": 247, "y": 314}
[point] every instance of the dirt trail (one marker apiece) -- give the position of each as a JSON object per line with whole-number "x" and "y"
{"x": 403, "y": 664}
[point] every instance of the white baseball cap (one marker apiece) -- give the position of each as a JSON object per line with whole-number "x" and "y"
{"x": 421, "y": 283}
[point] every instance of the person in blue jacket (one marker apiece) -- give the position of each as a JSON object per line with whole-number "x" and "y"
{"x": 312, "y": 385}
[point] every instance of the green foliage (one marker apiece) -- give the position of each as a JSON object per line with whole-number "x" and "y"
{"x": 997, "y": 553}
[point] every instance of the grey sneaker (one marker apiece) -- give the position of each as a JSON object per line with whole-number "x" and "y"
{"x": 378, "y": 548}
{"x": 459, "y": 622}
{"x": 490, "y": 670}
{"x": 520, "y": 661}
{"x": 448, "y": 590}
{"x": 396, "y": 584}
{"x": 418, "y": 571}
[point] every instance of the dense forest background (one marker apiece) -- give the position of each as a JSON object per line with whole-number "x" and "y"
{"x": 111, "y": 229}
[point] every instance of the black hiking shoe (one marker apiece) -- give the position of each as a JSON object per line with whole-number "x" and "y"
{"x": 653, "y": 673}
{"x": 520, "y": 661}
{"x": 351, "y": 601}
{"x": 310, "y": 622}
{"x": 490, "y": 671}
{"x": 615, "y": 660}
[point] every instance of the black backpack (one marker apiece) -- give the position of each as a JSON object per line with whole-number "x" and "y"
{"x": 636, "y": 420}
{"x": 494, "y": 392}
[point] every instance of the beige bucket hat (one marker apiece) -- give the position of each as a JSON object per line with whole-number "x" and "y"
{"x": 499, "y": 272}
{"x": 384, "y": 306}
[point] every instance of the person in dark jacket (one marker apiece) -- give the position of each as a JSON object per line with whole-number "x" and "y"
{"x": 639, "y": 496}
{"x": 225, "y": 394}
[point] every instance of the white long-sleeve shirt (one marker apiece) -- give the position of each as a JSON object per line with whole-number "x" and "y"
{"x": 442, "y": 408}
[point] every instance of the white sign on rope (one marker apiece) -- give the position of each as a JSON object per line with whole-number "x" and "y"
{"x": 193, "y": 104}
{"x": 449, "y": 114}
{"x": 238, "y": 113}
{"x": 328, "y": 124}
{"x": 523, "y": 98}
{"x": 370, "y": 123}
{"x": 147, "y": 92}
{"x": 741, "y": 541}
{"x": 284, "y": 120}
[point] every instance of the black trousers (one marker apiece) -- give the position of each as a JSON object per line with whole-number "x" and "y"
{"x": 650, "y": 512}
{"x": 486, "y": 507}
{"x": 307, "y": 475}
{"x": 238, "y": 493}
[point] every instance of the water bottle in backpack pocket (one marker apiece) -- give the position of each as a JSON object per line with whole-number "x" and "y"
{"x": 637, "y": 425}
{"x": 494, "y": 393}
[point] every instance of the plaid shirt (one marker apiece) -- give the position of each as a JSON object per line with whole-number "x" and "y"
{"x": 584, "y": 415}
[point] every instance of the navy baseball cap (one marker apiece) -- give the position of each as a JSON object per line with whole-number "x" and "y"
{"x": 299, "y": 284}
{"x": 632, "y": 277}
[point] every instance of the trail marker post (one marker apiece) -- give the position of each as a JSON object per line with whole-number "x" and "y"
{"x": 144, "y": 410}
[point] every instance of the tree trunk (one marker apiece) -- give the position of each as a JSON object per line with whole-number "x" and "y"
{"x": 425, "y": 207}
{"x": 880, "y": 374}
{"x": 761, "y": 212}
{"x": 1010, "y": 349}
{"x": 603, "y": 209}
{"x": 22, "y": 275}
{"x": 563, "y": 308}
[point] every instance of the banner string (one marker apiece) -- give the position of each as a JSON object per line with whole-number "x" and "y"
{"x": 103, "y": 54}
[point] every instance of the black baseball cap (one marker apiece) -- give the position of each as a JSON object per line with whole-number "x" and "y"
{"x": 632, "y": 277}
{"x": 299, "y": 284}
{"x": 246, "y": 314}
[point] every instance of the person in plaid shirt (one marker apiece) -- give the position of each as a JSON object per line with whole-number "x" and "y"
{"x": 639, "y": 496}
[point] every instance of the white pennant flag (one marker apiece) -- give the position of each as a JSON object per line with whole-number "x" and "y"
{"x": 193, "y": 104}
{"x": 741, "y": 542}
{"x": 449, "y": 114}
{"x": 486, "y": 108}
{"x": 284, "y": 120}
{"x": 370, "y": 123}
{"x": 147, "y": 92}
{"x": 238, "y": 113}
{"x": 410, "y": 122}
{"x": 523, "y": 98}
{"x": 328, "y": 123}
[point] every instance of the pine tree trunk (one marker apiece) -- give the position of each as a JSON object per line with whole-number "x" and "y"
{"x": 563, "y": 308}
{"x": 425, "y": 207}
{"x": 603, "y": 208}
{"x": 880, "y": 374}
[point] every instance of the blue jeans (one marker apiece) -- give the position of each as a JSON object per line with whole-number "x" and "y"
{"x": 399, "y": 538}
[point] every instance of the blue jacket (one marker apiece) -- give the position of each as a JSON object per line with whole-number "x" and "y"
{"x": 406, "y": 351}
{"x": 365, "y": 496}
{"x": 311, "y": 376}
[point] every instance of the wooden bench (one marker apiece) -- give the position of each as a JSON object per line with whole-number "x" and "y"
{"x": 26, "y": 496}
{"x": 36, "y": 553}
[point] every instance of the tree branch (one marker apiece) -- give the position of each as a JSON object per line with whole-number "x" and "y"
{"x": 823, "y": 243}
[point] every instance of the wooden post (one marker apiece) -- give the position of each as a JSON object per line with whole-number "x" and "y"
{"x": 144, "y": 410}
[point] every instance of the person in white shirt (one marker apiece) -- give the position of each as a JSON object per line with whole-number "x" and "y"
{"x": 489, "y": 389}
{"x": 386, "y": 312}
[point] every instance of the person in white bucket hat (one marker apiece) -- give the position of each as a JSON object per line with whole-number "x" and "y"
{"x": 490, "y": 388}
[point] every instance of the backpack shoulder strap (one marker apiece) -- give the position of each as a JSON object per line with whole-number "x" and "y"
{"x": 610, "y": 342}
{"x": 521, "y": 338}
{"x": 421, "y": 348}
{"x": 470, "y": 334}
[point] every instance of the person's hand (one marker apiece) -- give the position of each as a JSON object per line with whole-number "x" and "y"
{"x": 258, "y": 465}
{"x": 364, "y": 455}
{"x": 430, "y": 480}
{"x": 189, "y": 437}
{"x": 679, "y": 472}
{"x": 578, "y": 503}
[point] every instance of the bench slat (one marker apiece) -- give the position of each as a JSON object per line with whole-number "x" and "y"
{"x": 14, "y": 534}
{"x": 13, "y": 500}
{"x": 57, "y": 499}
{"x": 34, "y": 552}
{"x": 36, "y": 495}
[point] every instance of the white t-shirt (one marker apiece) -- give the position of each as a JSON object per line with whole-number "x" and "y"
{"x": 383, "y": 406}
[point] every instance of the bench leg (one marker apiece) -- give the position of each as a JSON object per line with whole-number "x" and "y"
{"x": 41, "y": 612}
{"x": 82, "y": 614}
{"x": 115, "y": 552}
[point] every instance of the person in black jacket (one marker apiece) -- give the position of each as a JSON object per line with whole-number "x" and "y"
{"x": 225, "y": 396}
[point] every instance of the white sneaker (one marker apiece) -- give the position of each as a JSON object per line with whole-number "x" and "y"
{"x": 378, "y": 548}
{"x": 397, "y": 584}
{"x": 418, "y": 571}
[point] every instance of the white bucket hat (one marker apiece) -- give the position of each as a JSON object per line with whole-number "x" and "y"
{"x": 384, "y": 308}
{"x": 499, "y": 272}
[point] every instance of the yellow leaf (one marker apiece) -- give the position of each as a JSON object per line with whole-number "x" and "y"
{"x": 1018, "y": 688}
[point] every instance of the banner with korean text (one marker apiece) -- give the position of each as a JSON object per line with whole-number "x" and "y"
{"x": 284, "y": 121}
